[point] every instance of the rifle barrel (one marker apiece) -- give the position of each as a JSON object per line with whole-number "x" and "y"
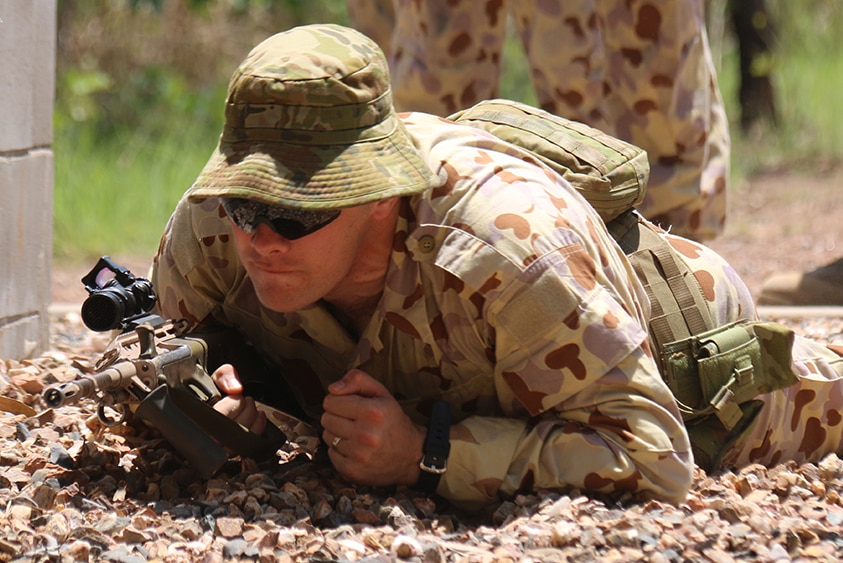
{"x": 114, "y": 377}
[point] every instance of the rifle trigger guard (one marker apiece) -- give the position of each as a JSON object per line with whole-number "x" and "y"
{"x": 108, "y": 421}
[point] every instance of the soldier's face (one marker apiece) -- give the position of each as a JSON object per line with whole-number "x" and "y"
{"x": 289, "y": 275}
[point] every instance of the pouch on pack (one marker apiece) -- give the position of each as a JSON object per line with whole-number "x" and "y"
{"x": 717, "y": 376}
{"x": 611, "y": 174}
{"x": 714, "y": 372}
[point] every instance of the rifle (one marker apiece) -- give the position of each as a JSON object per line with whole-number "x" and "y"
{"x": 161, "y": 373}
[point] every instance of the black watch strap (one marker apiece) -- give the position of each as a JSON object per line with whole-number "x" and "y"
{"x": 437, "y": 446}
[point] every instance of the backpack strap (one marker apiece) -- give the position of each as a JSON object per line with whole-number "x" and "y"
{"x": 678, "y": 307}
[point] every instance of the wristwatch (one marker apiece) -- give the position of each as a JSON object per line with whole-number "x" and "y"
{"x": 437, "y": 446}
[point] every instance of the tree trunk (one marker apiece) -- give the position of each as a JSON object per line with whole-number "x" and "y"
{"x": 754, "y": 30}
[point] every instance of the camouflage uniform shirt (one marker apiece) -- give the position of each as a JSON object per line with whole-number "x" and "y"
{"x": 506, "y": 297}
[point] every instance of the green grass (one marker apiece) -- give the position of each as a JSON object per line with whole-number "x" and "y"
{"x": 807, "y": 81}
{"x": 115, "y": 197}
{"x": 123, "y": 161}
{"x": 124, "y": 155}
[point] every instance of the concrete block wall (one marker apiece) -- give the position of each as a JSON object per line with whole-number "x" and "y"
{"x": 27, "y": 88}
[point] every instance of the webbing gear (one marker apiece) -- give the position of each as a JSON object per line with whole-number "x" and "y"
{"x": 714, "y": 372}
{"x": 678, "y": 307}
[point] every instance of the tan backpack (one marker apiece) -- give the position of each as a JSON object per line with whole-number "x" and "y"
{"x": 611, "y": 174}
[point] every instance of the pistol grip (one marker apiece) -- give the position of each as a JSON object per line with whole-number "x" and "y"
{"x": 202, "y": 434}
{"x": 192, "y": 441}
{"x": 227, "y": 432}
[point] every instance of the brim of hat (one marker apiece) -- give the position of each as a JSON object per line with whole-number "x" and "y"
{"x": 316, "y": 176}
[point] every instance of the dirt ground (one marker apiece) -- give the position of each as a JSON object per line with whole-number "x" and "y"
{"x": 783, "y": 221}
{"x": 776, "y": 222}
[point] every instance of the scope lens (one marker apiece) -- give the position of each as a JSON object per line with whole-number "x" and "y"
{"x": 103, "y": 311}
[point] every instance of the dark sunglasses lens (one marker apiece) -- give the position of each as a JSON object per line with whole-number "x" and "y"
{"x": 247, "y": 215}
{"x": 292, "y": 230}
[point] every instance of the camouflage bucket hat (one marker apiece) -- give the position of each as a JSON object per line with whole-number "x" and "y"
{"x": 309, "y": 124}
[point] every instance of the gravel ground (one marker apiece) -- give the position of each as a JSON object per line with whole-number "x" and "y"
{"x": 74, "y": 490}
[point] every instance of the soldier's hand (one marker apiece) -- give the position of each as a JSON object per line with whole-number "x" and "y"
{"x": 371, "y": 439}
{"x": 234, "y": 404}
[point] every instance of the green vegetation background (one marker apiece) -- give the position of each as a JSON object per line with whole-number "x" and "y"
{"x": 140, "y": 85}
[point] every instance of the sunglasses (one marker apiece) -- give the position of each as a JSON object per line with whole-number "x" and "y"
{"x": 291, "y": 224}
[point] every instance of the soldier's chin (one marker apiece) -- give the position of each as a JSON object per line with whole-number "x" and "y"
{"x": 274, "y": 301}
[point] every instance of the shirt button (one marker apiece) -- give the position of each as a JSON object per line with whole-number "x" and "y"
{"x": 427, "y": 244}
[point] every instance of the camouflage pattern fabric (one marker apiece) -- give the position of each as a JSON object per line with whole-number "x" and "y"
{"x": 801, "y": 423}
{"x": 506, "y": 297}
{"x": 375, "y": 19}
{"x": 636, "y": 69}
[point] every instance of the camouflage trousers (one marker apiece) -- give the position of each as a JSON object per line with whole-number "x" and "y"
{"x": 641, "y": 71}
{"x": 803, "y": 422}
